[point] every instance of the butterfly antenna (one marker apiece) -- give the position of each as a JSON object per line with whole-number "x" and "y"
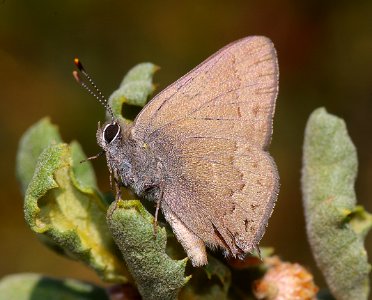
{"x": 97, "y": 92}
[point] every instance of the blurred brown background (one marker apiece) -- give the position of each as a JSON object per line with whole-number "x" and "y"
{"x": 325, "y": 58}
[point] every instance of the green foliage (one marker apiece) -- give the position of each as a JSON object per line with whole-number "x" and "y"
{"x": 336, "y": 227}
{"x": 32, "y": 143}
{"x": 134, "y": 89}
{"x": 157, "y": 275}
{"x": 38, "y": 287}
{"x": 64, "y": 207}
{"x": 213, "y": 281}
{"x": 69, "y": 211}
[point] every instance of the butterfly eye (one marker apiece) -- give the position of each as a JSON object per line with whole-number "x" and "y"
{"x": 111, "y": 132}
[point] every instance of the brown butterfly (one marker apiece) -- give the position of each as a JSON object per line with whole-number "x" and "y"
{"x": 199, "y": 150}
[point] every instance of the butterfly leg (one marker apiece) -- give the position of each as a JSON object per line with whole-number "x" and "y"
{"x": 157, "y": 209}
{"x": 156, "y": 218}
{"x": 111, "y": 186}
{"x": 258, "y": 250}
{"x": 117, "y": 194}
{"x": 92, "y": 157}
{"x": 117, "y": 190}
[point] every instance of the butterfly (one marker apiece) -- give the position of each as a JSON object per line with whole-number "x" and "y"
{"x": 199, "y": 150}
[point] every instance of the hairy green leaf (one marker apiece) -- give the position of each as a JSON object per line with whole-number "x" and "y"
{"x": 157, "y": 275}
{"x": 134, "y": 89}
{"x": 63, "y": 204}
{"x": 32, "y": 143}
{"x": 336, "y": 227}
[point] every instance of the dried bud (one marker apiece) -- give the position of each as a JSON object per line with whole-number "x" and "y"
{"x": 285, "y": 281}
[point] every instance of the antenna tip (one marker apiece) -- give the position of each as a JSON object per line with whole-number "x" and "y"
{"x": 76, "y": 76}
{"x": 78, "y": 64}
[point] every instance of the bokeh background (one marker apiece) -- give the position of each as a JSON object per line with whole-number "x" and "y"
{"x": 325, "y": 58}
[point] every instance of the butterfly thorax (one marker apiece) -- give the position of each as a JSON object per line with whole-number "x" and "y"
{"x": 131, "y": 162}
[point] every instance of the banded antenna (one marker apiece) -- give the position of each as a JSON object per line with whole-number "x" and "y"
{"x": 95, "y": 92}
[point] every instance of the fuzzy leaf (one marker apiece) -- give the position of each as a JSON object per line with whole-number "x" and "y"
{"x": 134, "y": 89}
{"x": 210, "y": 282}
{"x": 157, "y": 276}
{"x": 35, "y": 286}
{"x": 32, "y": 143}
{"x": 335, "y": 226}
{"x": 62, "y": 203}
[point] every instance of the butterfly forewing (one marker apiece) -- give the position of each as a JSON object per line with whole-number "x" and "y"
{"x": 211, "y": 129}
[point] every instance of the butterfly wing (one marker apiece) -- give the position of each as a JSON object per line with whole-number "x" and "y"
{"x": 211, "y": 130}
